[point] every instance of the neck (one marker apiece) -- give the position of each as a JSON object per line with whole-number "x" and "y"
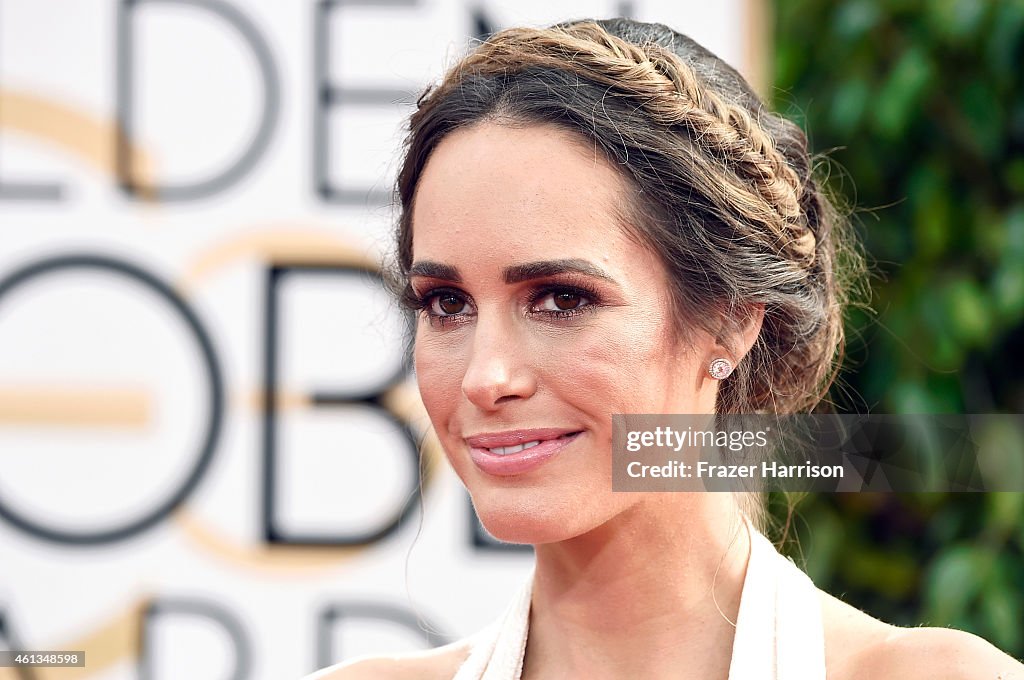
{"x": 651, "y": 593}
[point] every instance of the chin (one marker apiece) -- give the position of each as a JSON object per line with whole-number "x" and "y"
{"x": 517, "y": 516}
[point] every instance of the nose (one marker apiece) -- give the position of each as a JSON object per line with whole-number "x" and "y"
{"x": 499, "y": 368}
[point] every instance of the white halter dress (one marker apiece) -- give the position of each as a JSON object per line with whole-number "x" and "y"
{"x": 779, "y": 633}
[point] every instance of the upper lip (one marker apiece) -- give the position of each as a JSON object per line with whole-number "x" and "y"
{"x": 490, "y": 440}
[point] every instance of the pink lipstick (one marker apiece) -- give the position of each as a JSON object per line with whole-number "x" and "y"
{"x": 517, "y": 451}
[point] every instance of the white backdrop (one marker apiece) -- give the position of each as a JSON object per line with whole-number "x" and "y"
{"x": 206, "y": 468}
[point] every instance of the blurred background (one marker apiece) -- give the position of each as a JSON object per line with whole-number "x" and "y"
{"x": 208, "y": 429}
{"x": 919, "y": 107}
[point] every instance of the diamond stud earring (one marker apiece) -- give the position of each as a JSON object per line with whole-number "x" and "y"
{"x": 719, "y": 368}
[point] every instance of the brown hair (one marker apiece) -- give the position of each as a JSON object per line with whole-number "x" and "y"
{"x": 723, "y": 188}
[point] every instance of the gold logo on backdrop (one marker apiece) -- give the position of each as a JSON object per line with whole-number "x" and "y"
{"x": 284, "y": 245}
{"x": 86, "y": 137}
{"x": 91, "y": 140}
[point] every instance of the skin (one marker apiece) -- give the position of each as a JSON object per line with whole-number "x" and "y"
{"x": 626, "y": 585}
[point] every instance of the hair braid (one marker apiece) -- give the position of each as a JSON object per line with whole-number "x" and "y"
{"x": 672, "y": 95}
{"x": 718, "y": 186}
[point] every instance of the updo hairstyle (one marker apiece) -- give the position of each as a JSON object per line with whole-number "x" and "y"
{"x": 721, "y": 188}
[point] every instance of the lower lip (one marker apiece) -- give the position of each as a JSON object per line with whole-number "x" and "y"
{"x": 521, "y": 462}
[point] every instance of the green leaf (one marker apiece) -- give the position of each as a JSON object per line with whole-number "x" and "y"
{"x": 969, "y": 312}
{"x": 1000, "y": 441}
{"x": 854, "y": 19}
{"x": 956, "y": 19}
{"x": 902, "y": 92}
{"x": 1005, "y": 509}
{"x": 984, "y": 121}
{"x": 1002, "y": 604}
{"x": 825, "y": 538}
{"x": 849, "y": 103}
{"x": 1004, "y": 39}
{"x": 1008, "y": 290}
{"x": 953, "y": 583}
{"x": 928, "y": 191}
{"x": 889, "y": 573}
{"x": 1013, "y": 175}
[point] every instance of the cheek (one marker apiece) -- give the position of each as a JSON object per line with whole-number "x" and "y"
{"x": 439, "y": 370}
{"x": 617, "y": 367}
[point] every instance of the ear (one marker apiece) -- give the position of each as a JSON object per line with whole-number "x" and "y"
{"x": 739, "y": 331}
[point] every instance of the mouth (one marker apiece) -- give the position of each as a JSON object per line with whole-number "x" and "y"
{"x": 516, "y": 448}
{"x": 517, "y": 452}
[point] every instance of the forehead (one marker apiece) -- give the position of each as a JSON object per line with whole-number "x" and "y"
{"x": 518, "y": 190}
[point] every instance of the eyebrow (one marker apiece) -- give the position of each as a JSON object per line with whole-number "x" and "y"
{"x": 435, "y": 270}
{"x": 536, "y": 270}
{"x": 515, "y": 273}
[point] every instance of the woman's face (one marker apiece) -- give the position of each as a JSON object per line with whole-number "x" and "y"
{"x": 541, "y": 318}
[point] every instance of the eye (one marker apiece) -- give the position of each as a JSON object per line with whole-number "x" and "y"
{"x": 561, "y": 301}
{"x": 446, "y": 304}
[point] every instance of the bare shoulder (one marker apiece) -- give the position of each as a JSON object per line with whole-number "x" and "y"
{"x": 943, "y": 654}
{"x": 441, "y": 663}
{"x": 860, "y": 647}
{"x": 849, "y": 634}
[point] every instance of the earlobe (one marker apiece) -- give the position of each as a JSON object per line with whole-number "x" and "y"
{"x": 733, "y": 345}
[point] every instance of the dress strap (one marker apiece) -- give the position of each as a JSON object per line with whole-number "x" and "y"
{"x": 799, "y": 628}
{"x": 753, "y": 646}
{"x": 497, "y": 651}
{"x": 779, "y": 632}
{"x": 779, "y": 629}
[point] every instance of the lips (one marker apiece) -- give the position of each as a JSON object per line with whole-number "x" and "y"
{"x": 516, "y": 452}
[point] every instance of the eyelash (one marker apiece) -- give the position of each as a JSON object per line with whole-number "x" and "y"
{"x": 424, "y": 304}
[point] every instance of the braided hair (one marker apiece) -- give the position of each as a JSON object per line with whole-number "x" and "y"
{"x": 722, "y": 188}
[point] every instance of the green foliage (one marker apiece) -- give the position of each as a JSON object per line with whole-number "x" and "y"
{"x": 919, "y": 106}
